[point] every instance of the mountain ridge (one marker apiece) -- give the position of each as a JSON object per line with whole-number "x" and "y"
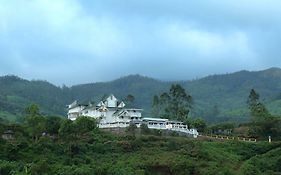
{"x": 216, "y": 96}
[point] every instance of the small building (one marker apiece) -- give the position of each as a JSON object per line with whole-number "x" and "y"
{"x": 8, "y": 135}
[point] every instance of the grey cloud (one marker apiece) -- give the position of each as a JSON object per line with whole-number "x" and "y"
{"x": 71, "y": 41}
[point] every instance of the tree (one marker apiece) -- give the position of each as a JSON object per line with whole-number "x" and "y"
{"x": 257, "y": 110}
{"x": 70, "y": 131}
{"x": 35, "y": 121}
{"x": 32, "y": 110}
{"x": 68, "y": 134}
{"x": 53, "y": 124}
{"x": 129, "y": 100}
{"x": 66, "y": 130}
{"x": 263, "y": 124}
{"x": 253, "y": 98}
{"x": 85, "y": 124}
{"x": 176, "y": 104}
{"x": 155, "y": 106}
{"x": 41, "y": 167}
{"x": 164, "y": 101}
{"x": 199, "y": 124}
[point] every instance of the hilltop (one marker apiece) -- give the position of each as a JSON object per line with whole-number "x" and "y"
{"x": 217, "y": 98}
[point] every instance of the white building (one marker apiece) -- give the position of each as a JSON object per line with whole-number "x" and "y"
{"x": 112, "y": 113}
{"x": 166, "y": 124}
{"x": 107, "y": 112}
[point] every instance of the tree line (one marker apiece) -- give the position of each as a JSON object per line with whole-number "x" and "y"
{"x": 176, "y": 104}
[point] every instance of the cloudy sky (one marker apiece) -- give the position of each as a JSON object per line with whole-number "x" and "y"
{"x": 80, "y": 41}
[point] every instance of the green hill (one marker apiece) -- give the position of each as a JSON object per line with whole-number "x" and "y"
{"x": 91, "y": 150}
{"x": 217, "y": 98}
{"x": 17, "y": 93}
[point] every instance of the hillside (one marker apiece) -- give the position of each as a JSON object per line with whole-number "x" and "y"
{"x": 17, "y": 93}
{"x": 217, "y": 98}
{"x": 228, "y": 93}
{"x": 79, "y": 148}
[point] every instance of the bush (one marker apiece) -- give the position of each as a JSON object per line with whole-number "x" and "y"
{"x": 144, "y": 129}
{"x": 41, "y": 168}
{"x": 7, "y": 167}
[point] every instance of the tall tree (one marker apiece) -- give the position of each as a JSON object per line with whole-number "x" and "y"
{"x": 253, "y": 98}
{"x": 129, "y": 100}
{"x": 32, "y": 110}
{"x": 176, "y": 104}
{"x": 85, "y": 124}
{"x": 155, "y": 110}
{"x": 180, "y": 103}
{"x": 53, "y": 124}
{"x": 35, "y": 121}
{"x": 263, "y": 124}
{"x": 257, "y": 109}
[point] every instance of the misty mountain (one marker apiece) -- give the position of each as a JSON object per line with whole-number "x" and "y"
{"x": 217, "y": 98}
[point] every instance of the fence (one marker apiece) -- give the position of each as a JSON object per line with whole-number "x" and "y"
{"x": 230, "y": 138}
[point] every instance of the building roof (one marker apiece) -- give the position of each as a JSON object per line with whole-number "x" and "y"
{"x": 89, "y": 106}
{"x": 155, "y": 119}
{"x": 101, "y": 103}
{"x": 173, "y": 121}
{"x": 133, "y": 109}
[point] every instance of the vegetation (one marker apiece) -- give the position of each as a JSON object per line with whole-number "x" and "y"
{"x": 217, "y": 98}
{"x": 175, "y": 104}
{"x": 263, "y": 124}
{"x": 43, "y": 143}
{"x": 55, "y": 146}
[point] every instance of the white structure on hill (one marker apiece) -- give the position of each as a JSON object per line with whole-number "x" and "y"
{"x": 107, "y": 112}
{"x": 112, "y": 113}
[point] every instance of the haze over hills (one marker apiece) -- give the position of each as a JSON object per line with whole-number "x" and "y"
{"x": 217, "y": 98}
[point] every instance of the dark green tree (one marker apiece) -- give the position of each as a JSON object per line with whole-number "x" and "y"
{"x": 85, "y": 124}
{"x": 257, "y": 110}
{"x": 199, "y": 124}
{"x": 67, "y": 131}
{"x": 53, "y": 124}
{"x": 155, "y": 110}
{"x": 263, "y": 124}
{"x": 41, "y": 168}
{"x": 176, "y": 104}
{"x": 71, "y": 131}
{"x": 164, "y": 102}
{"x": 32, "y": 110}
{"x": 35, "y": 122}
{"x": 129, "y": 100}
{"x": 253, "y": 98}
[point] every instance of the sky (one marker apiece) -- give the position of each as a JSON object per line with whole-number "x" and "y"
{"x": 82, "y": 41}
